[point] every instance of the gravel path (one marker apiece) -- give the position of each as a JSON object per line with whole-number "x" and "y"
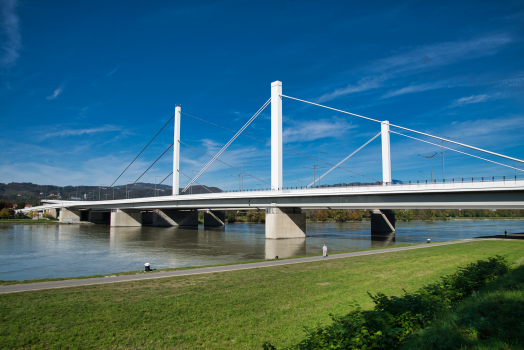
{"x": 16, "y": 288}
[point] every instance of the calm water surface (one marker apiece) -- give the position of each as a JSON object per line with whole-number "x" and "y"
{"x": 49, "y": 251}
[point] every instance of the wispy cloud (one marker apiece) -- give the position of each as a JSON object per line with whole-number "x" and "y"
{"x": 418, "y": 59}
{"x": 413, "y": 88}
{"x": 86, "y": 131}
{"x": 470, "y": 100}
{"x": 314, "y": 130}
{"x": 362, "y": 85}
{"x": 113, "y": 71}
{"x": 10, "y": 26}
{"x": 442, "y": 54}
{"x": 55, "y": 93}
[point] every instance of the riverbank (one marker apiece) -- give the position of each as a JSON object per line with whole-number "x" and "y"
{"x": 236, "y": 309}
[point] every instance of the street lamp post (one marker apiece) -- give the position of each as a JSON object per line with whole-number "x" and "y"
{"x": 239, "y": 176}
{"x": 443, "y": 157}
{"x": 127, "y": 193}
{"x": 243, "y": 175}
{"x": 155, "y": 184}
{"x": 431, "y": 158}
{"x": 319, "y": 167}
{"x": 301, "y": 183}
{"x": 422, "y": 174}
{"x": 314, "y": 173}
{"x": 191, "y": 187}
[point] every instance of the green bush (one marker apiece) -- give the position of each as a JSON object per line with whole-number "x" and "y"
{"x": 395, "y": 318}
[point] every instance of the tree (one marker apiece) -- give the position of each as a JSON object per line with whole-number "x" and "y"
{"x": 230, "y": 216}
{"x": 32, "y": 214}
{"x": 6, "y": 213}
{"x": 340, "y": 216}
{"x": 322, "y": 215}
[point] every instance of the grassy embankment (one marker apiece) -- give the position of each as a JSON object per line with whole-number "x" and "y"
{"x": 142, "y": 272}
{"x": 492, "y": 318}
{"x": 27, "y": 221}
{"x": 237, "y": 309}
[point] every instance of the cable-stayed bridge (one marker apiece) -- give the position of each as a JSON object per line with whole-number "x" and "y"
{"x": 283, "y": 205}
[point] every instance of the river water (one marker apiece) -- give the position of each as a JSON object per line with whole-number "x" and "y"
{"x": 52, "y": 251}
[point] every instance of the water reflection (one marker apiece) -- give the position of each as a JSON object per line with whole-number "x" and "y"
{"x": 45, "y": 251}
{"x": 285, "y": 248}
{"x": 379, "y": 240}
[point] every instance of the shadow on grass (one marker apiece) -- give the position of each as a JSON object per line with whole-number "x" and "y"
{"x": 493, "y": 318}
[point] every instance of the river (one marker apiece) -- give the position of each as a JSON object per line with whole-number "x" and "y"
{"x": 53, "y": 251}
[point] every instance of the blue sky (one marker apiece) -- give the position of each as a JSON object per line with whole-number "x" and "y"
{"x": 85, "y": 85}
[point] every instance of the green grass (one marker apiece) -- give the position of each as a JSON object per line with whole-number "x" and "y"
{"x": 493, "y": 318}
{"x": 136, "y": 272}
{"x": 31, "y": 221}
{"x": 231, "y": 310}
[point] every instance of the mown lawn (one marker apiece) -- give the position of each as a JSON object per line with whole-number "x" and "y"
{"x": 231, "y": 310}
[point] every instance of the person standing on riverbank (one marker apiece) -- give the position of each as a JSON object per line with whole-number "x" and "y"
{"x": 324, "y": 251}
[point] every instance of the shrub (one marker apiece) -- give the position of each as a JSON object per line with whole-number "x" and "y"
{"x": 395, "y": 318}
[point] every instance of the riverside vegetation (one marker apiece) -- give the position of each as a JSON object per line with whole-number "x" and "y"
{"x": 239, "y": 309}
{"x": 397, "y": 319}
{"x": 400, "y": 215}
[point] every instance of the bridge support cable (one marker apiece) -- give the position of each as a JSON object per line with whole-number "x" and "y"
{"x": 410, "y": 130}
{"x": 343, "y": 160}
{"x": 142, "y": 150}
{"x": 151, "y": 165}
{"x": 451, "y": 149}
{"x": 227, "y": 144}
{"x": 285, "y": 149}
{"x": 229, "y": 165}
{"x": 189, "y": 177}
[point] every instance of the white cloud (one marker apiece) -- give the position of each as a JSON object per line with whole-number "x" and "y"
{"x": 113, "y": 71}
{"x": 55, "y": 93}
{"x": 314, "y": 130}
{"x": 412, "y": 89}
{"x": 418, "y": 59}
{"x": 470, "y": 100}
{"x": 430, "y": 56}
{"x": 10, "y": 26}
{"x": 362, "y": 85}
{"x": 87, "y": 131}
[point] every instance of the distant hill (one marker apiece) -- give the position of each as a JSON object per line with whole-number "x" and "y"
{"x": 27, "y": 191}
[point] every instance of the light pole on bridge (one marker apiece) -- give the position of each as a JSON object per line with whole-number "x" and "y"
{"x": 422, "y": 174}
{"x": 319, "y": 167}
{"x": 155, "y": 183}
{"x": 431, "y": 158}
{"x": 239, "y": 176}
{"x": 443, "y": 157}
{"x": 314, "y": 173}
{"x": 243, "y": 175}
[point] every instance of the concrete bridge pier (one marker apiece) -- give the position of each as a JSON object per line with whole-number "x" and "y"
{"x": 285, "y": 223}
{"x": 382, "y": 221}
{"x": 69, "y": 215}
{"x": 173, "y": 217}
{"x": 214, "y": 218}
{"x": 126, "y": 218}
{"x": 52, "y": 212}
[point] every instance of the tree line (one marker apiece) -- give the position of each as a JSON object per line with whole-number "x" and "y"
{"x": 344, "y": 215}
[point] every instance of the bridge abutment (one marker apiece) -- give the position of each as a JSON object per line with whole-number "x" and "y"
{"x": 69, "y": 215}
{"x": 126, "y": 218}
{"x": 382, "y": 221}
{"x": 285, "y": 223}
{"x": 214, "y": 218}
{"x": 172, "y": 217}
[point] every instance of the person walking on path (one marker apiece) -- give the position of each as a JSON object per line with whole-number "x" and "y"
{"x": 324, "y": 251}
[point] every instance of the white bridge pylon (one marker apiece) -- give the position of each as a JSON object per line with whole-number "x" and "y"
{"x": 277, "y": 147}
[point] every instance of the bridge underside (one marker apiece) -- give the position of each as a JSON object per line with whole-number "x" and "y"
{"x": 284, "y": 218}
